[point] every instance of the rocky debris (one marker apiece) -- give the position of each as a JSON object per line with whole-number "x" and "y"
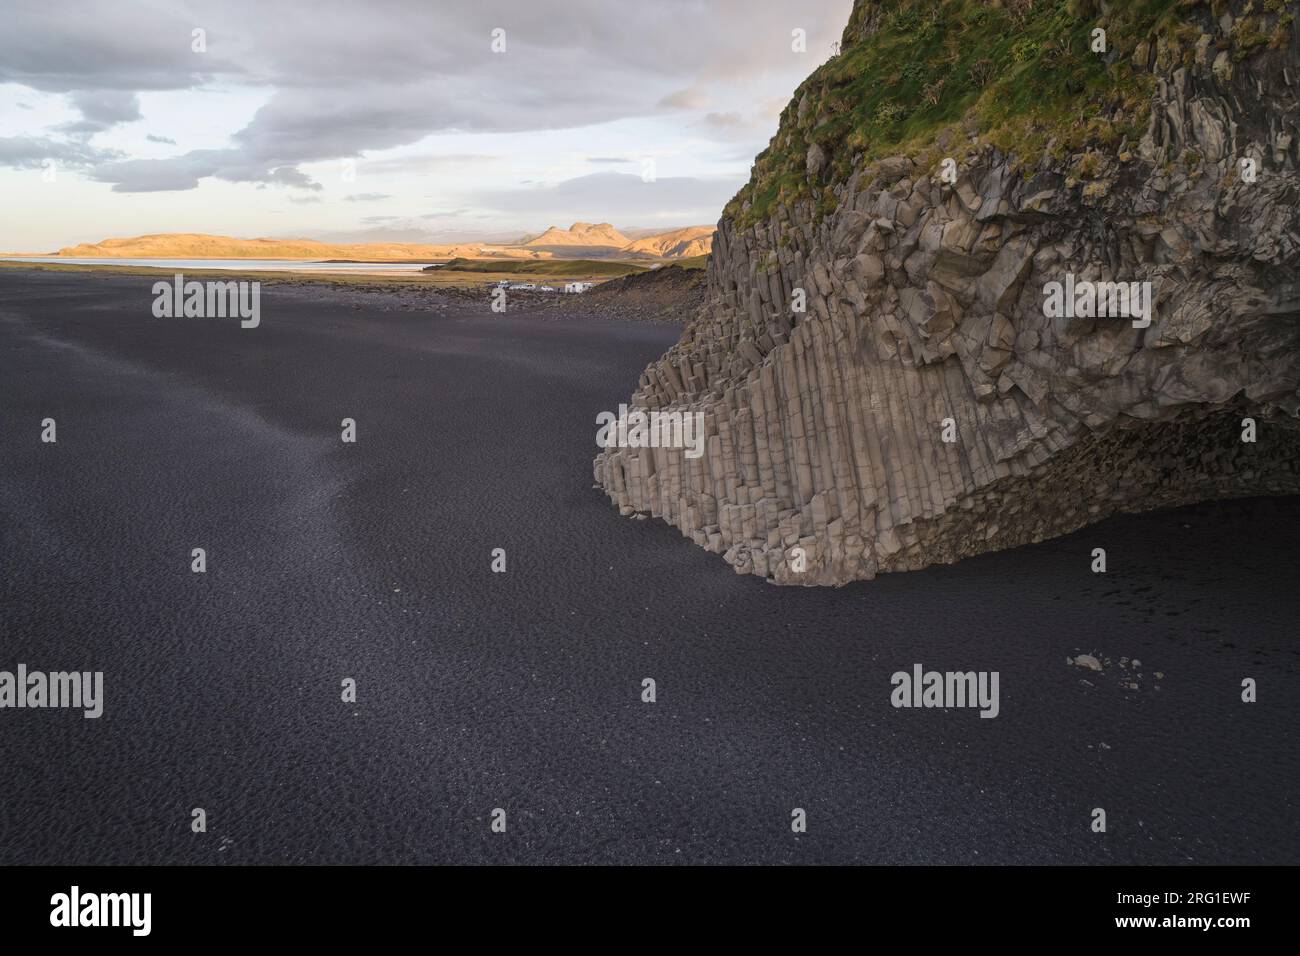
{"x": 826, "y": 460}
{"x": 1129, "y": 677}
{"x": 385, "y": 296}
{"x": 667, "y": 294}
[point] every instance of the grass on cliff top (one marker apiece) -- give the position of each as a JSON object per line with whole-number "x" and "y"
{"x": 1021, "y": 70}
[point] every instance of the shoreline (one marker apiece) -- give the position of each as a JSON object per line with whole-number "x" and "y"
{"x": 418, "y": 291}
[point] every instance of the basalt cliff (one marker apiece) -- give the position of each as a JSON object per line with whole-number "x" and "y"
{"x": 881, "y": 385}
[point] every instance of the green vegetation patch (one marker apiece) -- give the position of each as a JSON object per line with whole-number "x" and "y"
{"x": 545, "y": 267}
{"x": 1020, "y": 72}
{"x": 691, "y": 262}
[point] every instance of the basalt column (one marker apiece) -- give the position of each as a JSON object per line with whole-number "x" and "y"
{"x": 923, "y": 406}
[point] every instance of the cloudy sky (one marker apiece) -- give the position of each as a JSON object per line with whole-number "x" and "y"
{"x": 368, "y": 119}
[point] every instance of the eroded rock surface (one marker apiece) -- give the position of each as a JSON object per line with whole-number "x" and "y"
{"x": 924, "y": 302}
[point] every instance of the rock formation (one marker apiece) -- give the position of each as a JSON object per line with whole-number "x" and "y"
{"x": 582, "y": 234}
{"x": 924, "y": 298}
{"x": 677, "y": 244}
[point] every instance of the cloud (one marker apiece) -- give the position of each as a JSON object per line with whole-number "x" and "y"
{"x": 160, "y": 139}
{"x": 689, "y": 99}
{"x": 31, "y": 152}
{"x": 382, "y": 233}
{"x": 184, "y": 172}
{"x": 343, "y": 81}
{"x": 100, "y": 110}
{"x": 608, "y": 159}
{"x": 104, "y": 45}
{"x": 601, "y": 197}
{"x": 724, "y": 120}
{"x": 107, "y": 106}
{"x": 288, "y": 176}
{"x": 421, "y": 163}
{"x": 366, "y": 197}
{"x": 158, "y": 175}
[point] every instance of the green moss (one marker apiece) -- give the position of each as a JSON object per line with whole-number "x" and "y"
{"x": 1026, "y": 50}
{"x": 914, "y": 72}
{"x": 1248, "y": 35}
{"x": 1020, "y": 72}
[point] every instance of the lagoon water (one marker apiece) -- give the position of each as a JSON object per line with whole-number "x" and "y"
{"x": 236, "y": 265}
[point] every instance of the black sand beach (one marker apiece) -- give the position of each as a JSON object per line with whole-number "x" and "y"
{"x": 522, "y": 690}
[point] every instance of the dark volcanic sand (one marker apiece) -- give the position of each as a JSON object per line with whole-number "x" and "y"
{"x": 522, "y": 690}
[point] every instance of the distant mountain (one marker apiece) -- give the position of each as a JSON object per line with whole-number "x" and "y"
{"x": 678, "y": 244}
{"x": 581, "y": 240}
{"x": 582, "y": 234}
{"x": 674, "y": 244}
{"x": 172, "y": 245}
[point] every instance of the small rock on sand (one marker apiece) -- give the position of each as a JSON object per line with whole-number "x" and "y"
{"x": 1085, "y": 660}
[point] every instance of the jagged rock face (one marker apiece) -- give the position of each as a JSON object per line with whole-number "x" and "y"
{"x": 925, "y": 303}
